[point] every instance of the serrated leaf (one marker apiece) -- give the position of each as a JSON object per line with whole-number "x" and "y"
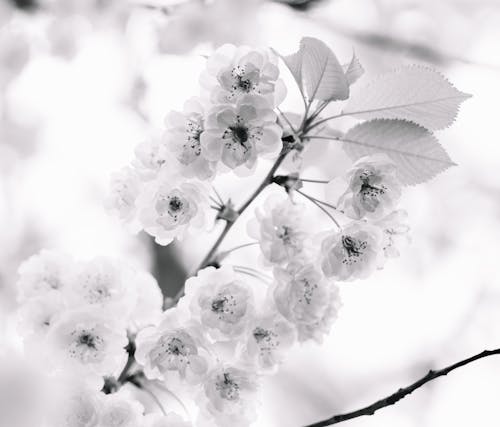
{"x": 322, "y": 74}
{"x": 294, "y": 64}
{"x": 415, "y": 151}
{"x": 354, "y": 70}
{"x": 413, "y": 93}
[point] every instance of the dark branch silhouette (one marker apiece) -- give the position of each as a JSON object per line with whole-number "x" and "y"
{"x": 402, "y": 392}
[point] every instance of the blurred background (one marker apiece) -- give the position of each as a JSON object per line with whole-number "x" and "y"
{"x": 84, "y": 81}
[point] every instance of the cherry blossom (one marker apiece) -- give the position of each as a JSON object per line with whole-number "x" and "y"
{"x": 103, "y": 283}
{"x": 173, "y": 347}
{"x": 270, "y": 337}
{"x": 395, "y": 232}
{"x": 172, "y": 207}
{"x": 120, "y": 410}
{"x": 87, "y": 342}
{"x": 220, "y": 300}
{"x": 183, "y": 134}
{"x": 306, "y": 298}
{"x": 125, "y": 187}
{"x": 43, "y": 272}
{"x": 279, "y": 226}
{"x": 372, "y": 188}
{"x": 352, "y": 253}
{"x": 237, "y": 135}
{"x": 230, "y": 394}
{"x": 233, "y": 72}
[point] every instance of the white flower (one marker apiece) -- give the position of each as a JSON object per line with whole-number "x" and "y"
{"x": 149, "y": 302}
{"x": 120, "y": 410}
{"x": 169, "y": 420}
{"x": 306, "y": 298}
{"x": 37, "y": 315}
{"x": 233, "y": 72}
{"x": 176, "y": 346}
{"x": 270, "y": 338}
{"x": 237, "y": 134}
{"x": 231, "y": 395}
{"x": 372, "y": 188}
{"x": 42, "y": 273}
{"x": 220, "y": 301}
{"x": 395, "y": 232}
{"x": 183, "y": 135}
{"x": 352, "y": 253}
{"x": 279, "y": 227}
{"x": 151, "y": 156}
{"x": 172, "y": 207}
{"x": 125, "y": 186}
{"x": 103, "y": 283}
{"x": 88, "y": 343}
{"x": 76, "y": 406}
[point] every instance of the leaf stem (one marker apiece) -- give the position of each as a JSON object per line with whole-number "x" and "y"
{"x": 317, "y": 203}
{"x": 314, "y": 181}
{"x": 402, "y": 392}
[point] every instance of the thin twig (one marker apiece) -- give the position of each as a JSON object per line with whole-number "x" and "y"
{"x": 213, "y": 250}
{"x": 314, "y": 181}
{"x": 402, "y": 392}
{"x": 316, "y": 202}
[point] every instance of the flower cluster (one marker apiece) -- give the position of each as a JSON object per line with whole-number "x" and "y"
{"x": 227, "y": 128}
{"x": 75, "y": 319}
{"x": 102, "y": 322}
{"x": 367, "y": 195}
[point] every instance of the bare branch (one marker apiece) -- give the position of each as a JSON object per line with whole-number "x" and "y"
{"x": 402, "y": 392}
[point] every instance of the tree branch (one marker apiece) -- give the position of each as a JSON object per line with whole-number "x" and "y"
{"x": 229, "y": 224}
{"x": 402, "y": 392}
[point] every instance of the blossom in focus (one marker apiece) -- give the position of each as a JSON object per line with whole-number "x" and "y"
{"x": 237, "y": 134}
{"x": 373, "y": 188}
{"x": 233, "y": 72}
{"x": 220, "y": 301}
{"x": 279, "y": 227}
{"x": 43, "y": 272}
{"x": 353, "y": 252}
{"x": 175, "y": 346}
{"x": 172, "y": 207}
{"x": 230, "y": 394}
{"x": 88, "y": 343}
{"x": 270, "y": 337}
{"x": 306, "y": 298}
{"x": 183, "y": 136}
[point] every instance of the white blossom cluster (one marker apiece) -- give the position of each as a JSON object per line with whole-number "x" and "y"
{"x": 102, "y": 322}
{"x": 227, "y": 128}
{"x": 75, "y": 319}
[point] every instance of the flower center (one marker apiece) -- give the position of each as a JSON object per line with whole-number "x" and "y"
{"x": 239, "y": 134}
{"x": 176, "y": 347}
{"x": 260, "y": 334}
{"x": 227, "y": 387}
{"x": 175, "y": 204}
{"x": 218, "y": 304}
{"x": 353, "y": 247}
{"x": 86, "y": 346}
